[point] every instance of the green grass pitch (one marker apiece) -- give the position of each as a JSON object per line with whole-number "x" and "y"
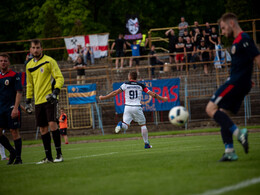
{"x": 175, "y": 165}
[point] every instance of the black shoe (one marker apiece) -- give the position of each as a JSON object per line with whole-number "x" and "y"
{"x": 231, "y": 156}
{"x": 18, "y": 161}
{"x": 11, "y": 158}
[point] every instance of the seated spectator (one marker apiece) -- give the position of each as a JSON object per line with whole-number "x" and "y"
{"x": 154, "y": 60}
{"x": 80, "y": 66}
{"x": 172, "y": 42}
{"x": 189, "y": 51}
{"x": 180, "y": 55}
{"x": 185, "y": 35}
{"x": 204, "y": 54}
{"x": 120, "y": 47}
{"x": 135, "y": 52}
{"x": 214, "y": 39}
{"x": 205, "y": 36}
{"x": 182, "y": 26}
{"x": 88, "y": 55}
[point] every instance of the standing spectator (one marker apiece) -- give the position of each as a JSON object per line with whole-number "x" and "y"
{"x": 88, "y": 55}
{"x": 196, "y": 25}
{"x": 185, "y": 35}
{"x": 143, "y": 43}
{"x": 180, "y": 55}
{"x": 207, "y": 29}
{"x": 204, "y": 54}
{"x": 197, "y": 37}
{"x": 10, "y": 112}
{"x": 154, "y": 60}
{"x": 63, "y": 125}
{"x": 214, "y": 39}
{"x": 172, "y": 42}
{"x": 80, "y": 66}
{"x": 182, "y": 26}
{"x": 135, "y": 53}
{"x": 40, "y": 72}
{"x": 120, "y": 47}
{"x": 189, "y": 51}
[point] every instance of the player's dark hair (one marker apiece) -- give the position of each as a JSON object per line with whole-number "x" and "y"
{"x": 228, "y": 16}
{"x": 5, "y": 55}
{"x": 36, "y": 42}
{"x": 133, "y": 75}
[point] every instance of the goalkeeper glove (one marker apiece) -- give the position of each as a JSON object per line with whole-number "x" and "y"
{"x": 28, "y": 106}
{"x": 52, "y": 98}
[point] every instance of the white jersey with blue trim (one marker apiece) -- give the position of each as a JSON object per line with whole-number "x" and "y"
{"x": 133, "y": 92}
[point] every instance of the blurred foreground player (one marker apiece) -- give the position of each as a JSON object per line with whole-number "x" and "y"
{"x": 44, "y": 80}
{"x": 229, "y": 96}
{"x": 63, "y": 125}
{"x": 133, "y": 110}
{"x": 10, "y": 118}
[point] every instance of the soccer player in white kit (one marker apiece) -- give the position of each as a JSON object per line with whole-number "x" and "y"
{"x": 133, "y": 110}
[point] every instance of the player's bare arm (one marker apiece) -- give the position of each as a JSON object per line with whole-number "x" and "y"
{"x": 110, "y": 95}
{"x": 156, "y": 96}
{"x": 257, "y": 60}
{"x": 15, "y": 111}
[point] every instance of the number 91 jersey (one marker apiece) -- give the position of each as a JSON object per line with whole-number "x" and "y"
{"x": 133, "y": 92}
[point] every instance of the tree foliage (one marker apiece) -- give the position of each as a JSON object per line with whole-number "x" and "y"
{"x": 22, "y": 20}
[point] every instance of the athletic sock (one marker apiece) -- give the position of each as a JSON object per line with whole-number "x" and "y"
{"x": 57, "y": 141}
{"x": 145, "y": 134}
{"x": 5, "y": 142}
{"x": 46, "y": 139}
{"x": 124, "y": 126}
{"x": 229, "y": 148}
{"x": 18, "y": 148}
{"x": 225, "y": 122}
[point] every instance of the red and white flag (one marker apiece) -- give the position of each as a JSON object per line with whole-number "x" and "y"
{"x": 98, "y": 44}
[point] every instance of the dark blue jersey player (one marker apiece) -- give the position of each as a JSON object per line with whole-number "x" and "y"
{"x": 231, "y": 94}
{"x": 10, "y": 97}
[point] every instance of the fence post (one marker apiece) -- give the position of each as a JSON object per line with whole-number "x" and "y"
{"x": 186, "y": 98}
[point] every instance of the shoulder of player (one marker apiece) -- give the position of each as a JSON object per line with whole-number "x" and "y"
{"x": 10, "y": 73}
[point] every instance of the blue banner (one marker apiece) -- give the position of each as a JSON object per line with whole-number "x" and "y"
{"x": 82, "y": 94}
{"x": 162, "y": 87}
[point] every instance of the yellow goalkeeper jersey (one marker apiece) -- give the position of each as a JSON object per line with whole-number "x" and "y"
{"x": 39, "y": 78}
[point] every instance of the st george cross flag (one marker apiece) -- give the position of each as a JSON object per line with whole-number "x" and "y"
{"x": 98, "y": 44}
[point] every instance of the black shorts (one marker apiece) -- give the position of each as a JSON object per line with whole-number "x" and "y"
{"x": 120, "y": 54}
{"x": 45, "y": 113}
{"x": 63, "y": 131}
{"x": 230, "y": 96}
{"x": 7, "y": 122}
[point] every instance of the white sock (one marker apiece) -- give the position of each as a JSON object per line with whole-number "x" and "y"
{"x": 144, "y": 134}
{"x": 2, "y": 151}
{"x": 236, "y": 132}
{"x": 228, "y": 150}
{"x": 124, "y": 126}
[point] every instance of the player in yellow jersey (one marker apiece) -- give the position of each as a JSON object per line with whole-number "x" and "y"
{"x": 44, "y": 81}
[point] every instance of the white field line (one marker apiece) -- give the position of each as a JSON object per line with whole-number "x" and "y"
{"x": 240, "y": 185}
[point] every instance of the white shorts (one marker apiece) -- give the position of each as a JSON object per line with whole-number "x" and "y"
{"x": 134, "y": 113}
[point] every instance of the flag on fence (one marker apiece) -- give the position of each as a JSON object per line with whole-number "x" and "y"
{"x": 82, "y": 94}
{"x": 163, "y": 87}
{"x": 98, "y": 44}
{"x": 220, "y": 56}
